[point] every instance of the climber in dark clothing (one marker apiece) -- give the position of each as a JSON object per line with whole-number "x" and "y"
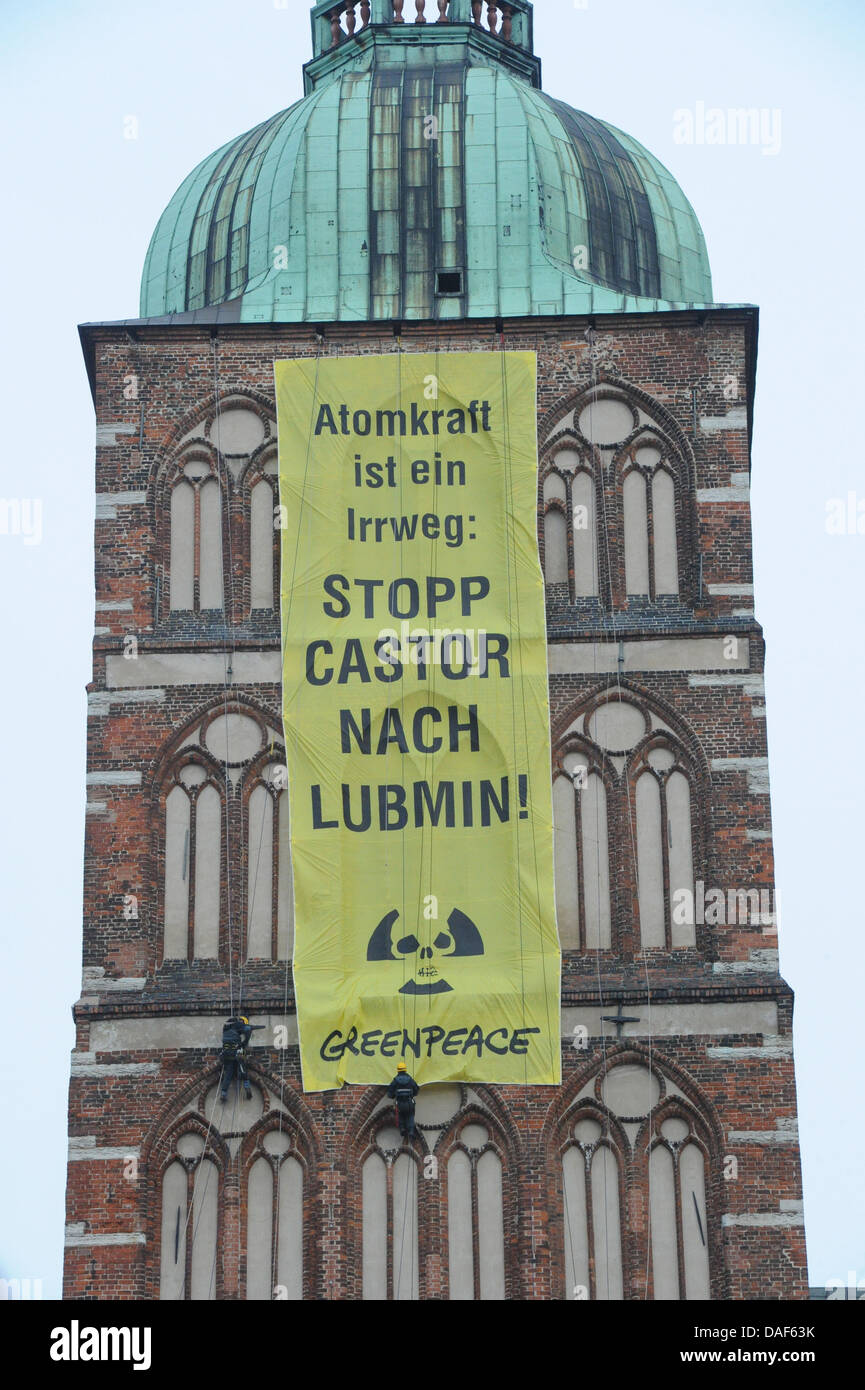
{"x": 403, "y": 1090}
{"x": 236, "y": 1034}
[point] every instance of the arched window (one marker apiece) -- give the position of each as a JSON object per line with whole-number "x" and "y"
{"x": 476, "y": 1251}
{"x": 190, "y": 1223}
{"x": 193, "y": 859}
{"x": 221, "y": 798}
{"x": 274, "y": 1230}
{"x": 233, "y": 1177}
{"x": 649, "y": 513}
{"x": 390, "y": 1221}
{"x": 264, "y": 537}
{"x": 195, "y": 561}
{"x": 619, "y": 470}
{"x": 635, "y": 1159}
{"x": 592, "y": 1213}
{"x": 680, "y": 1250}
{"x": 585, "y": 532}
{"x": 582, "y": 857}
{"x": 215, "y": 495}
{"x": 569, "y": 520}
{"x": 636, "y": 533}
{"x": 555, "y": 530}
{"x": 441, "y": 1235}
{"x": 624, "y": 805}
{"x": 662, "y": 798}
{"x": 270, "y": 910}
{"x": 664, "y": 546}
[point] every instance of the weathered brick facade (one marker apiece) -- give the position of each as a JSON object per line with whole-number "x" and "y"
{"x": 714, "y": 1020}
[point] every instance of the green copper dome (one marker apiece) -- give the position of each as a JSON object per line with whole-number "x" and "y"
{"x": 425, "y": 175}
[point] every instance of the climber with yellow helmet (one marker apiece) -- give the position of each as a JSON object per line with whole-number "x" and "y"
{"x": 236, "y": 1034}
{"x": 403, "y": 1090}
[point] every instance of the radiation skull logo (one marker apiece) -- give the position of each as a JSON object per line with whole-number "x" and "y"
{"x": 460, "y": 938}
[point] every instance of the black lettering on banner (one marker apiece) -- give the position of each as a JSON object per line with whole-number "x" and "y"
{"x": 390, "y": 664}
{"x": 424, "y": 1041}
{"x": 426, "y": 712}
{"x": 365, "y": 820}
{"x": 500, "y": 1050}
{"x": 427, "y": 803}
{"x": 391, "y": 732}
{"x": 366, "y": 1042}
{"x": 423, "y": 798}
{"x": 331, "y": 586}
{"x": 348, "y": 727}
{"x": 456, "y": 728}
{"x": 450, "y": 1046}
{"x": 496, "y": 651}
{"x": 312, "y": 674}
{"x": 392, "y": 814}
{"x": 403, "y": 596}
{"x": 395, "y": 422}
{"x": 358, "y": 736}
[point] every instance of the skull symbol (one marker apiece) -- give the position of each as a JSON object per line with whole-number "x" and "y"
{"x": 460, "y": 938}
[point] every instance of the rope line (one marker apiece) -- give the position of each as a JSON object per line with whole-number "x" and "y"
{"x": 590, "y": 338}
{"x": 228, "y": 660}
{"x": 288, "y": 592}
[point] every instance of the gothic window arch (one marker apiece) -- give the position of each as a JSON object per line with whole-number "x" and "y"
{"x": 261, "y": 487}
{"x": 269, "y": 896}
{"x": 232, "y": 1187}
{"x": 193, "y": 837}
{"x": 662, "y": 803}
{"x": 636, "y": 1176}
{"x": 593, "y": 1176}
{"x": 555, "y": 502}
{"x": 650, "y": 493}
{"x": 191, "y": 1205}
{"x": 216, "y": 548}
{"x": 678, "y": 1166}
{"x": 195, "y": 505}
{"x": 389, "y": 1190}
{"x": 475, "y": 1210}
{"x": 432, "y": 1218}
{"x": 582, "y": 846}
{"x": 628, "y": 831}
{"x": 626, "y": 468}
{"x": 222, "y": 840}
{"x": 276, "y": 1184}
{"x": 569, "y": 515}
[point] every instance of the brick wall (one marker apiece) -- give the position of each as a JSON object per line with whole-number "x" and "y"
{"x": 154, "y": 386}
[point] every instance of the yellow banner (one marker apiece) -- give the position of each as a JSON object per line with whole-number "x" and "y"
{"x": 416, "y": 719}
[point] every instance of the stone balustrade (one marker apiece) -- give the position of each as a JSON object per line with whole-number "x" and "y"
{"x": 339, "y": 23}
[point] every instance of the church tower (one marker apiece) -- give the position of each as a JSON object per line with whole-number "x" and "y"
{"x": 425, "y": 195}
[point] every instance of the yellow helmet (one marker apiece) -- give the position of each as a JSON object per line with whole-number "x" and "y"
{"x": 244, "y": 1019}
{"x": 400, "y": 1066}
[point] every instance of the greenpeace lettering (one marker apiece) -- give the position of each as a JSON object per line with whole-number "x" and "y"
{"x": 416, "y": 719}
{"x": 423, "y": 1042}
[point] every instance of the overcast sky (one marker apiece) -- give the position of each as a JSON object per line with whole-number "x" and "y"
{"x": 783, "y": 222}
